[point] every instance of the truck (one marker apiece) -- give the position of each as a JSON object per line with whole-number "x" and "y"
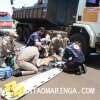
{"x": 81, "y": 17}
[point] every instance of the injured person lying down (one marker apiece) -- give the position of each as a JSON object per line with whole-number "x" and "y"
{"x": 28, "y": 60}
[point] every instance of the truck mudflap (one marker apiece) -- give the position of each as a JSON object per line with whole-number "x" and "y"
{"x": 13, "y": 91}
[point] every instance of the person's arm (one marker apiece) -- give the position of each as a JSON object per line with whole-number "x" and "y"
{"x": 36, "y": 57}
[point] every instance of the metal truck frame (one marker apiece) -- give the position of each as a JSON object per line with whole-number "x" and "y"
{"x": 81, "y": 16}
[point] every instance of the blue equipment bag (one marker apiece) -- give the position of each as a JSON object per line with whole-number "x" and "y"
{"x": 6, "y": 72}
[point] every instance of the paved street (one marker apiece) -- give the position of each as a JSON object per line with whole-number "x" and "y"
{"x": 64, "y": 80}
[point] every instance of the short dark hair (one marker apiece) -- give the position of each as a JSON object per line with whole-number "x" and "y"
{"x": 42, "y": 29}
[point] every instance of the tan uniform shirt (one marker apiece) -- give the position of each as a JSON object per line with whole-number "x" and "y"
{"x": 29, "y": 53}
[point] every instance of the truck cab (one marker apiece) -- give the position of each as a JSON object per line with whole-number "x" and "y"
{"x": 86, "y": 28}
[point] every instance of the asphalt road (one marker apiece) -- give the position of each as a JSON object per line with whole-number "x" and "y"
{"x": 90, "y": 80}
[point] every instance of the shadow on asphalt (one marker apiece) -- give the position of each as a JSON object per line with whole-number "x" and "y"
{"x": 93, "y": 61}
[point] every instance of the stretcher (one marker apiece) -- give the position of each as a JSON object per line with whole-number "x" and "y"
{"x": 14, "y": 91}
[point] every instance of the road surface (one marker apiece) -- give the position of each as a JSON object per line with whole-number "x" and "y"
{"x": 83, "y": 87}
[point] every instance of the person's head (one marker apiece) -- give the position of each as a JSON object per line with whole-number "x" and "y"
{"x": 42, "y": 32}
{"x": 13, "y": 34}
{"x": 41, "y": 49}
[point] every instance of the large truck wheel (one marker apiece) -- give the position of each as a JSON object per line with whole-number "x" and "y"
{"x": 26, "y": 34}
{"x": 19, "y": 32}
{"x": 83, "y": 40}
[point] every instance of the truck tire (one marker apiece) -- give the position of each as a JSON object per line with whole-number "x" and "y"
{"x": 19, "y": 32}
{"x": 83, "y": 40}
{"x": 26, "y": 34}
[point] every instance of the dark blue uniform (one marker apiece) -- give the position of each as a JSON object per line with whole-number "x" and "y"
{"x": 34, "y": 37}
{"x": 74, "y": 57}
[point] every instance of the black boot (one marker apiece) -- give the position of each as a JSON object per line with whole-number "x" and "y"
{"x": 17, "y": 73}
{"x": 84, "y": 69}
{"x": 79, "y": 70}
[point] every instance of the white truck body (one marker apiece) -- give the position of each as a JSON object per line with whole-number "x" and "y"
{"x": 90, "y": 20}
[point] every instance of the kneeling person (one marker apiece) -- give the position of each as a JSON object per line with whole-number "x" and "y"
{"x": 27, "y": 60}
{"x": 74, "y": 58}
